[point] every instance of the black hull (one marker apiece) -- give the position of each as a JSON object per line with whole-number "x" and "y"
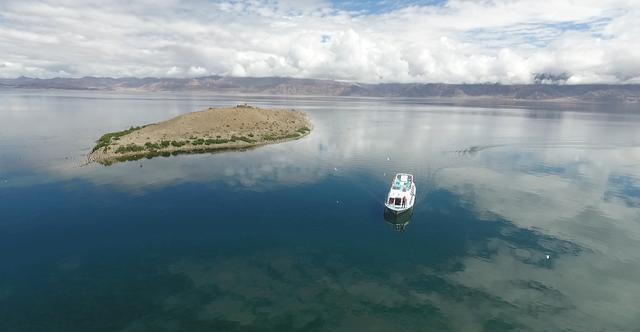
{"x": 398, "y": 219}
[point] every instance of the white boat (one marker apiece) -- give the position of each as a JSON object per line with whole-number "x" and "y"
{"x": 402, "y": 194}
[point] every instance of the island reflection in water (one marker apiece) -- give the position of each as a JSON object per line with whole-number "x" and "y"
{"x": 290, "y": 236}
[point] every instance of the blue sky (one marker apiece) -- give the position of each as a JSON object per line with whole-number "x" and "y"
{"x": 452, "y": 41}
{"x": 381, "y": 6}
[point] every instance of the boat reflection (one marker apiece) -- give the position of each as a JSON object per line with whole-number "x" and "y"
{"x": 398, "y": 221}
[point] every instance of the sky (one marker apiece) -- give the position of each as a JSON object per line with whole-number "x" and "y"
{"x": 372, "y": 41}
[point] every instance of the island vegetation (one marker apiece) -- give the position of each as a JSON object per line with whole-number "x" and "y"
{"x": 214, "y": 129}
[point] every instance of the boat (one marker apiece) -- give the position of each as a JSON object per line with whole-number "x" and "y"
{"x": 402, "y": 194}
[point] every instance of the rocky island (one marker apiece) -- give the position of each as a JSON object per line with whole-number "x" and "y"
{"x": 214, "y": 129}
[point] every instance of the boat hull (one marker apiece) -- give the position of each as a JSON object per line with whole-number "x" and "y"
{"x": 398, "y": 209}
{"x": 398, "y": 220}
{"x": 398, "y": 216}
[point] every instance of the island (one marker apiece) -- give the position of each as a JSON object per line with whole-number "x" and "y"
{"x": 214, "y": 129}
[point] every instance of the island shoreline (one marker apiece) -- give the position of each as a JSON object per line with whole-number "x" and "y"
{"x": 209, "y": 131}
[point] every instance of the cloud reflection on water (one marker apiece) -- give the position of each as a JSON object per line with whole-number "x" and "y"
{"x": 547, "y": 182}
{"x": 562, "y": 195}
{"x": 590, "y": 291}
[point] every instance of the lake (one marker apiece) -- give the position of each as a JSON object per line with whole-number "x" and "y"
{"x": 527, "y": 218}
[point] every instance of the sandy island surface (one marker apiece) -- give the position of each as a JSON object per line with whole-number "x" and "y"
{"x": 213, "y": 129}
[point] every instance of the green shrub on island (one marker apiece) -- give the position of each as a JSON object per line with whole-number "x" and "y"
{"x": 241, "y": 138}
{"x": 216, "y": 141}
{"x": 152, "y": 146}
{"x": 292, "y": 135}
{"x": 129, "y": 148}
{"x": 210, "y": 141}
{"x": 178, "y": 144}
{"x": 105, "y": 139}
{"x": 271, "y": 137}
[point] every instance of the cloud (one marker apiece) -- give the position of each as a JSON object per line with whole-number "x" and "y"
{"x": 415, "y": 41}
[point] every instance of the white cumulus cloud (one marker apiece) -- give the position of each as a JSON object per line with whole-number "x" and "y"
{"x": 455, "y": 41}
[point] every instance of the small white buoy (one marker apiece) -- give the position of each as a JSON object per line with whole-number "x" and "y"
{"x": 337, "y": 202}
{"x": 388, "y": 158}
{"x": 335, "y": 169}
{"x": 548, "y": 256}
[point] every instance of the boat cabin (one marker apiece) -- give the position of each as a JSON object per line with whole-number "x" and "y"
{"x": 401, "y": 183}
{"x": 402, "y": 193}
{"x": 398, "y": 201}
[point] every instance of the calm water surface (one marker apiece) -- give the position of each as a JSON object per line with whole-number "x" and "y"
{"x": 526, "y": 219}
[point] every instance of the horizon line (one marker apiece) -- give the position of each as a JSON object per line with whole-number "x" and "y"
{"x": 321, "y": 79}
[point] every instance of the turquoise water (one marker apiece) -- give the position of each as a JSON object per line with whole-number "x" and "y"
{"x": 527, "y": 218}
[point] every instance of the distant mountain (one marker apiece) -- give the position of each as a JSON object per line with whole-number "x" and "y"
{"x": 314, "y": 87}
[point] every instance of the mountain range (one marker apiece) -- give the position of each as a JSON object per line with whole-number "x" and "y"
{"x": 316, "y": 87}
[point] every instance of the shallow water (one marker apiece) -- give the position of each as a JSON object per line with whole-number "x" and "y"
{"x": 527, "y": 218}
